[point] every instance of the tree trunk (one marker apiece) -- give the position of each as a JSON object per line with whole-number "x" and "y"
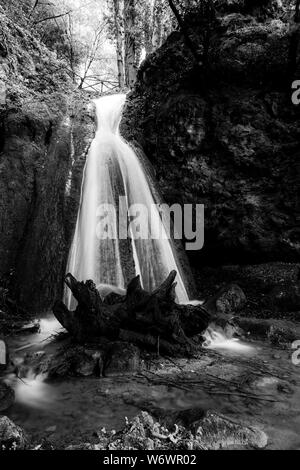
{"x": 119, "y": 43}
{"x": 157, "y": 24}
{"x": 130, "y": 43}
{"x": 146, "y": 318}
{"x": 148, "y": 23}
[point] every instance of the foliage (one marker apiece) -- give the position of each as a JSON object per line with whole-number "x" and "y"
{"x": 73, "y": 30}
{"x": 104, "y": 42}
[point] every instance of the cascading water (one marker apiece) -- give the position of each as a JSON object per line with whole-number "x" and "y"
{"x": 113, "y": 169}
{"x": 216, "y": 338}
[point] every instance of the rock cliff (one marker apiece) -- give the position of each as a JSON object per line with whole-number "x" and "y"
{"x": 224, "y": 132}
{"x": 45, "y": 131}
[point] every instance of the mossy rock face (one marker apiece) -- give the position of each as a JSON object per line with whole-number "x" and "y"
{"x": 226, "y": 134}
{"x": 45, "y": 131}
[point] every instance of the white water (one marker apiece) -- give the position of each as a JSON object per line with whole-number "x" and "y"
{"x": 113, "y": 169}
{"x": 34, "y": 392}
{"x": 218, "y": 340}
{"x": 31, "y": 389}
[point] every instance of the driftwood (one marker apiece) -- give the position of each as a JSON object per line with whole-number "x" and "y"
{"x": 150, "y": 319}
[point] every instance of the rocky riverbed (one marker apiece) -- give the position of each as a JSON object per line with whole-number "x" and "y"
{"x": 241, "y": 390}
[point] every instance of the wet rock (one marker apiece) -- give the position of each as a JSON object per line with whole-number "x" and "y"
{"x": 12, "y": 437}
{"x": 278, "y": 332}
{"x": 270, "y": 385}
{"x": 253, "y": 326}
{"x": 7, "y": 396}
{"x": 36, "y": 363}
{"x": 267, "y": 384}
{"x": 88, "y": 363}
{"x": 231, "y": 300}
{"x": 282, "y": 336}
{"x": 74, "y": 361}
{"x": 77, "y": 361}
{"x": 219, "y": 432}
{"x": 122, "y": 358}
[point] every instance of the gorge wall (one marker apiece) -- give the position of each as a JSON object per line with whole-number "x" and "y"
{"x": 45, "y": 132}
{"x": 225, "y": 133}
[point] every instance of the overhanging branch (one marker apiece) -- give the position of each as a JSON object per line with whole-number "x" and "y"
{"x": 185, "y": 32}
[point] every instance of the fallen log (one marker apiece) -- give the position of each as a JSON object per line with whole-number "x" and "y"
{"x": 145, "y": 316}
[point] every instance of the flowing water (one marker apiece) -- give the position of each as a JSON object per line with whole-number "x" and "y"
{"x": 71, "y": 410}
{"x": 216, "y": 338}
{"x": 113, "y": 169}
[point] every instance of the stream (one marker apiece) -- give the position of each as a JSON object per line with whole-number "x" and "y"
{"x": 71, "y": 410}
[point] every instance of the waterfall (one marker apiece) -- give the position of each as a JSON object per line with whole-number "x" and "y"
{"x": 114, "y": 169}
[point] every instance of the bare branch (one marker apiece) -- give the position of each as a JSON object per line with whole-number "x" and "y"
{"x": 52, "y": 17}
{"x": 185, "y": 32}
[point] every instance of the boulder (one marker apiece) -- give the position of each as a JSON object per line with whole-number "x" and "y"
{"x": 219, "y": 432}
{"x": 89, "y": 363}
{"x": 12, "y": 437}
{"x": 280, "y": 333}
{"x": 232, "y": 300}
{"x": 227, "y": 300}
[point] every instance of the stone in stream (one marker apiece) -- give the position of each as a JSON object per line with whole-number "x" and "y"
{"x": 278, "y": 332}
{"x": 12, "y": 437}
{"x": 219, "y": 432}
{"x": 231, "y": 300}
